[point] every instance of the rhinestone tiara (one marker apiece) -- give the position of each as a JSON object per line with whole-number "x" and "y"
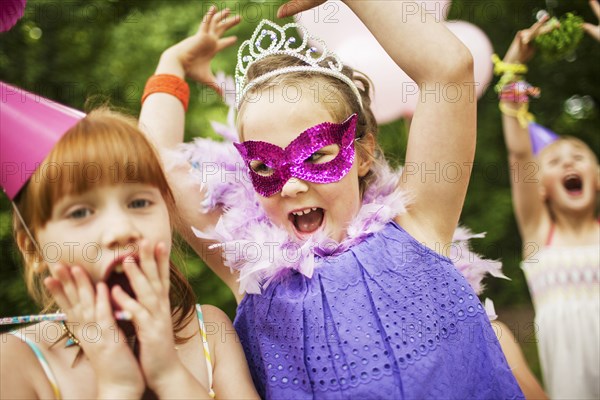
{"x": 252, "y": 50}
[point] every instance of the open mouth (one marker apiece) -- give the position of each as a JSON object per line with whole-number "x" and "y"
{"x": 307, "y": 220}
{"x": 573, "y": 184}
{"x": 117, "y": 277}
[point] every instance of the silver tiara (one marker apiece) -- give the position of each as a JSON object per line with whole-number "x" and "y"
{"x": 252, "y": 50}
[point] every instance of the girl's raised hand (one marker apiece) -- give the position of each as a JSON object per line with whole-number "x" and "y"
{"x": 294, "y": 7}
{"x": 195, "y": 53}
{"x": 522, "y": 49}
{"x": 90, "y": 319}
{"x": 591, "y": 29}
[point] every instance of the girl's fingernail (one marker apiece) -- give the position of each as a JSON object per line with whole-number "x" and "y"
{"x": 123, "y": 315}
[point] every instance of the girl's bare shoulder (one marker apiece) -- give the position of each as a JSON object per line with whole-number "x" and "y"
{"x": 22, "y": 373}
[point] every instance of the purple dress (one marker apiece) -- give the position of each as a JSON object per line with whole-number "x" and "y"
{"x": 388, "y": 318}
{"x": 378, "y": 315}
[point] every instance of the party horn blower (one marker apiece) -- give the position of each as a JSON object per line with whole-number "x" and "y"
{"x": 27, "y": 319}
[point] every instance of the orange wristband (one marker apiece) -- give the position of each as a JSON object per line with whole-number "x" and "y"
{"x": 170, "y": 84}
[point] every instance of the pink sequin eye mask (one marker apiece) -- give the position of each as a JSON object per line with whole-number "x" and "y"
{"x": 271, "y": 166}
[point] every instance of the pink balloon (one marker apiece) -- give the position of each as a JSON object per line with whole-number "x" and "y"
{"x": 481, "y": 49}
{"x": 334, "y": 22}
{"x": 395, "y": 95}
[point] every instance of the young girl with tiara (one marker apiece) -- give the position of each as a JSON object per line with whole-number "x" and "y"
{"x": 340, "y": 265}
{"x": 93, "y": 223}
{"x": 556, "y": 212}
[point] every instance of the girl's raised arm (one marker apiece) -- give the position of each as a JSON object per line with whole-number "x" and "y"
{"x": 530, "y": 211}
{"x": 442, "y": 134}
{"x": 162, "y": 118}
{"x": 591, "y": 29}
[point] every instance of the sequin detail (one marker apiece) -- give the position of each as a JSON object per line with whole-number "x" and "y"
{"x": 291, "y": 161}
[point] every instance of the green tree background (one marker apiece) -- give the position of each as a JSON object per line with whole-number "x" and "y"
{"x": 82, "y": 53}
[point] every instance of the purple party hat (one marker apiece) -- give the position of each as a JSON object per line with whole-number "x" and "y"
{"x": 540, "y": 137}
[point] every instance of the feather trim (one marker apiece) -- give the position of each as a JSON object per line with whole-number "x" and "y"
{"x": 263, "y": 252}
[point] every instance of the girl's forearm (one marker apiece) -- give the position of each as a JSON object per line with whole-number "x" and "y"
{"x": 165, "y": 132}
{"x": 170, "y": 64}
{"x": 516, "y": 136}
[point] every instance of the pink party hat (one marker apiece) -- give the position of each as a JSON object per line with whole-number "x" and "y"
{"x": 30, "y": 126}
{"x": 10, "y": 12}
{"x": 540, "y": 137}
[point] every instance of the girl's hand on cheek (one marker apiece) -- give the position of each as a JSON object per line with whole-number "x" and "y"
{"x": 151, "y": 313}
{"x": 75, "y": 295}
{"x": 120, "y": 374}
{"x": 90, "y": 320}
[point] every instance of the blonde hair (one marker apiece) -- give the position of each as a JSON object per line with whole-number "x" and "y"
{"x": 576, "y": 142}
{"x": 340, "y": 102}
{"x": 104, "y": 148}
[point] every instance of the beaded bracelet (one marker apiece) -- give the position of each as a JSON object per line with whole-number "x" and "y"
{"x": 510, "y": 72}
{"x": 518, "y": 92}
{"x": 170, "y": 84}
{"x": 522, "y": 114}
{"x": 501, "y": 67}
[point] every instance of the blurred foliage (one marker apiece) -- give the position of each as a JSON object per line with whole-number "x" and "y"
{"x": 82, "y": 53}
{"x": 561, "y": 42}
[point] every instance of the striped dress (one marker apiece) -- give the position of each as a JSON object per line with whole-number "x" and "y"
{"x": 564, "y": 286}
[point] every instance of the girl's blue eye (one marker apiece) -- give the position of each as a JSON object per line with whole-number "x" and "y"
{"x": 139, "y": 203}
{"x": 80, "y": 213}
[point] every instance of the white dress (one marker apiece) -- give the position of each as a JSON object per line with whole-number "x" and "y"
{"x": 564, "y": 286}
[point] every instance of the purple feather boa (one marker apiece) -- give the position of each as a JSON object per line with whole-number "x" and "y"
{"x": 263, "y": 252}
